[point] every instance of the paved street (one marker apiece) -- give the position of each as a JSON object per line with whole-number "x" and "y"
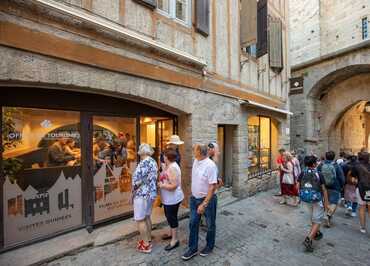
{"x": 254, "y": 231}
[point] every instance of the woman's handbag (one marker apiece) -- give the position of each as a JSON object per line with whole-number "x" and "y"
{"x": 288, "y": 179}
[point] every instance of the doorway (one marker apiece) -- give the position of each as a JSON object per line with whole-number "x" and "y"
{"x": 224, "y": 141}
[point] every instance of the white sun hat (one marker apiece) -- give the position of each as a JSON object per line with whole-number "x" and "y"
{"x": 174, "y": 139}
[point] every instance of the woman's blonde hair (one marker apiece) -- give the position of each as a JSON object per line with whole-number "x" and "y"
{"x": 145, "y": 149}
{"x": 288, "y": 155}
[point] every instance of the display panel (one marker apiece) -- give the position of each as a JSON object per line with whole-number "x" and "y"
{"x": 115, "y": 159}
{"x": 41, "y": 164}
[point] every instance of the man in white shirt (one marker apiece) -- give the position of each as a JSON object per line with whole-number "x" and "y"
{"x": 202, "y": 201}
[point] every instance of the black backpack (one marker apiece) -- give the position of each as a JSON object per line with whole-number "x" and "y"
{"x": 310, "y": 186}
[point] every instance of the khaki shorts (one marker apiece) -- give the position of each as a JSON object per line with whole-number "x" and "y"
{"x": 316, "y": 211}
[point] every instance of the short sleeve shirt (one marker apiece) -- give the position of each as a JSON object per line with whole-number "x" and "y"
{"x": 204, "y": 173}
{"x": 145, "y": 179}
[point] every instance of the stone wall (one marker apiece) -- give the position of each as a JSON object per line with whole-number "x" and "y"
{"x": 320, "y": 27}
{"x": 221, "y": 49}
{"x": 304, "y": 30}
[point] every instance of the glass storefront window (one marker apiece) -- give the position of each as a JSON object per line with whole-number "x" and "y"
{"x": 259, "y": 143}
{"x": 41, "y": 164}
{"x": 115, "y": 159}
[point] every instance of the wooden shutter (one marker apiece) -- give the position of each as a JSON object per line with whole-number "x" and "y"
{"x": 248, "y": 22}
{"x": 275, "y": 44}
{"x": 202, "y": 16}
{"x": 261, "y": 28}
{"x": 152, "y": 4}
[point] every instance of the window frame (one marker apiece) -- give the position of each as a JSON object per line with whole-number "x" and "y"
{"x": 259, "y": 170}
{"x": 365, "y": 21}
{"x": 171, "y": 14}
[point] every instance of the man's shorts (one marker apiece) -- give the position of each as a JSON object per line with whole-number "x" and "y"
{"x": 142, "y": 208}
{"x": 317, "y": 212}
{"x": 360, "y": 201}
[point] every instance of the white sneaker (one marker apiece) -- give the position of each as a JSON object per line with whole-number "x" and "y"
{"x": 353, "y": 214}
{"x": 349, "y": 208}
{"x": 363, "y": 230}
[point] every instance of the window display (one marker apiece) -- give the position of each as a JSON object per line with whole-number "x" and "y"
{"x": 114, "y": 155}
{"x": 41, "y": 164}
{"x": 259, "y": 143}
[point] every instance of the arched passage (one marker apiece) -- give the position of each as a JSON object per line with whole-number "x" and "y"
{"x": 341, "y": 114}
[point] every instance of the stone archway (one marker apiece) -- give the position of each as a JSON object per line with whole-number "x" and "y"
{"x": 350, "y": 131}
{"x": 332, "y": 107}
{"x": 342, "y": 76}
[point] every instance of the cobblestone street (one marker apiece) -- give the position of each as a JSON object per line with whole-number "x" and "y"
{"x": 254, "y": 231}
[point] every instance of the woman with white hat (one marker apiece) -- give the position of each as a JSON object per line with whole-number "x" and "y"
{"x": 173, "y": 143}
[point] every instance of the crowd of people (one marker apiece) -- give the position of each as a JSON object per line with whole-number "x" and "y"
{"x": 203, "y": 200}
{"x": 322, "y": 184}
{"x": 319, "y": 183}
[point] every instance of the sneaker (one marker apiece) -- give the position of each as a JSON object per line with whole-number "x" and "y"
{"x": 189, "y": 254}
{"x": 282, "y": 202}
{"x": 145, "y": 248}
{"x": 363, "y": 230}
{"x": 319, "y": 235}
{"x": 205, "y": 252}
{"x": 139, "y": 244}
{"x": 308, "y": 244}
{"x": 353, "y": 214}
{"x": 349, "y": 208}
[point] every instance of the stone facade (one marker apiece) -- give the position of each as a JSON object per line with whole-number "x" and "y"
{"x": 333, "y": 67}
{"x": 199, "y": 109}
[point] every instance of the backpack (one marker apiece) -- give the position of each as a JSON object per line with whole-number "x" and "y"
{"x": 329, "y": 174}
{"x": 310, "y": 187}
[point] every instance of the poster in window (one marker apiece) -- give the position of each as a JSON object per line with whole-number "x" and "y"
{"x": 30, "y": 214}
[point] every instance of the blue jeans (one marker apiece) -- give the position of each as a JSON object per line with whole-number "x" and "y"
{"x": 210, "y": 214}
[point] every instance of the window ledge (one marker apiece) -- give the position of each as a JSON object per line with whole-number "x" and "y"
{"x": 118, "y": 29}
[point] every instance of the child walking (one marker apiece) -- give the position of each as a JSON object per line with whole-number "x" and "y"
{"x": 314, "y": 195}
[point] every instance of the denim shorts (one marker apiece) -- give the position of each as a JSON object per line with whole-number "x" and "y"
{"x": 334, "y": 196}
{"x": 316, "y": 211}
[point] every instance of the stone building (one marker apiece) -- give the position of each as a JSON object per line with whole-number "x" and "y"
{"x": 330, "y": 58}
{"x": 88, "y": 73}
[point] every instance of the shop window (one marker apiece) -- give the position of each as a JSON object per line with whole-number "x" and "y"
{"x": 259, "y": 144}
{"x": 41, "y": 163}
{"x": 115, "y": 159}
